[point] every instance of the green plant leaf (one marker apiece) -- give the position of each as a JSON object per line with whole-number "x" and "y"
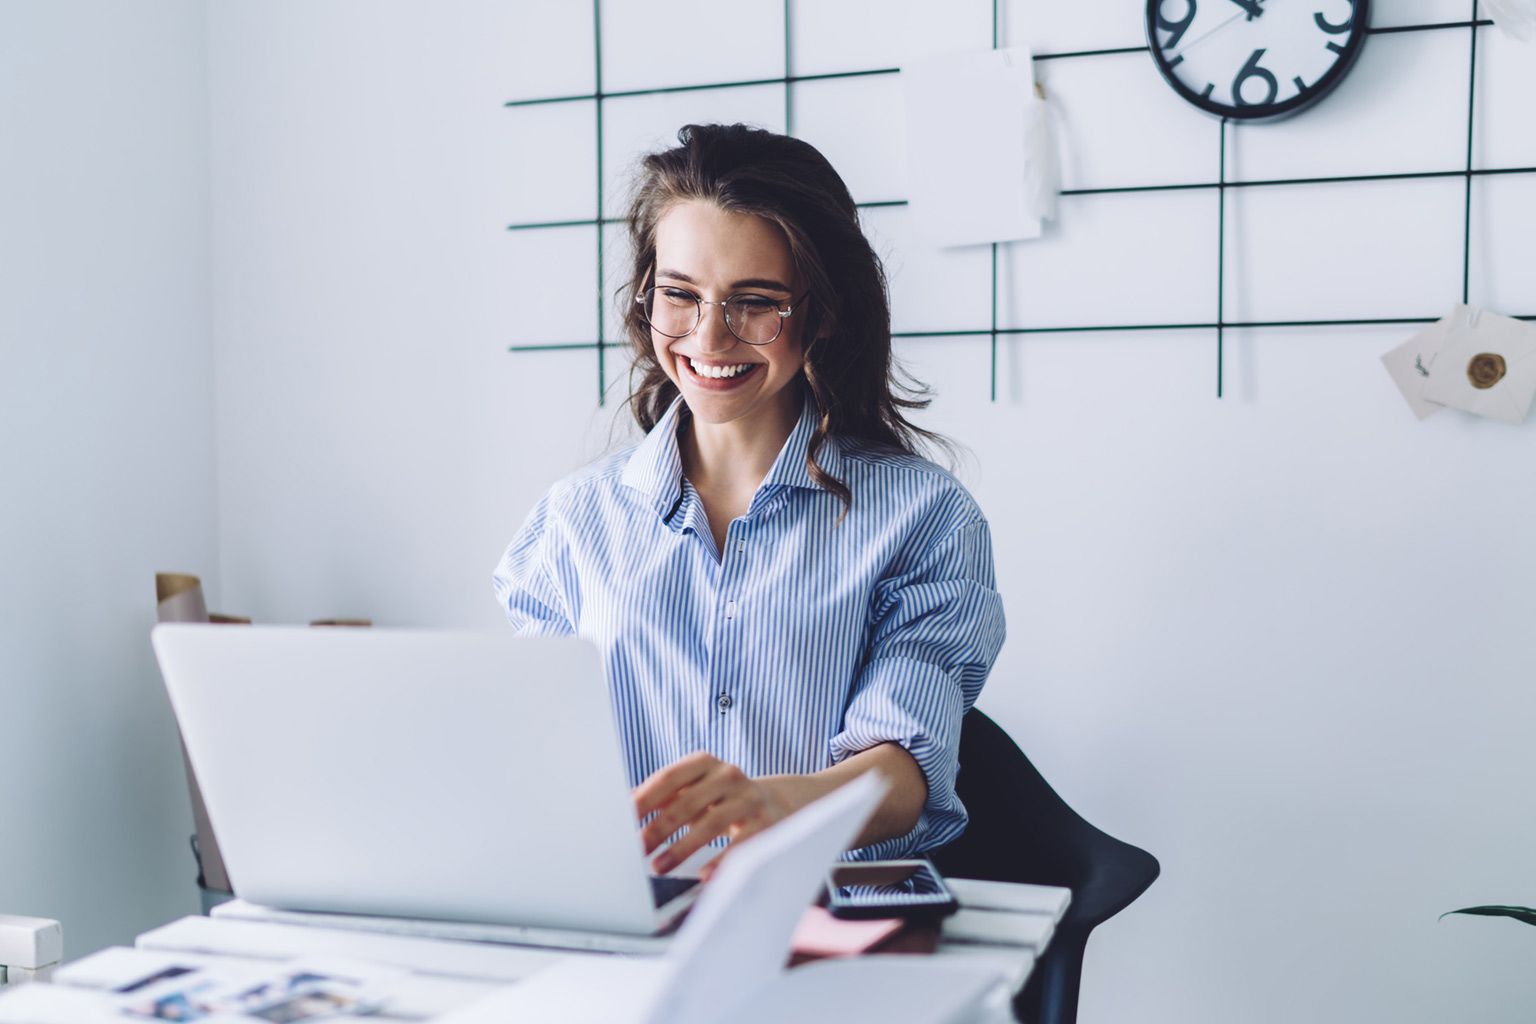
{"x": 1526, "y": 914}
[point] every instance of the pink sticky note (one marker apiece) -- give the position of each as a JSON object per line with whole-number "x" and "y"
{"x": 821, "y": 934}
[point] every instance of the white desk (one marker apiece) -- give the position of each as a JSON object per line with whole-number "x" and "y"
{"x": 447, "y": 974}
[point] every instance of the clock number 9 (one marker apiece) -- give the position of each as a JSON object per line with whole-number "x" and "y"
{"x": 1332, "y": 29}
{"x": 1252, "y": 70}
{"x": 1175, "y": 28}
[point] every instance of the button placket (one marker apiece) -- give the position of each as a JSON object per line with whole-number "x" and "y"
{"x": 731, "y": 568}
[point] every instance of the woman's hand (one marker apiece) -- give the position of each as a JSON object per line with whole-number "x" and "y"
{"x": 710, "y": 797}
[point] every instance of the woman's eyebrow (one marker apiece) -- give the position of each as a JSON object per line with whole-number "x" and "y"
{"x": 749, "y": 282}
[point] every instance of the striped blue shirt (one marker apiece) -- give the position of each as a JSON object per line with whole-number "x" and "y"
{"x": 805, "y": 641}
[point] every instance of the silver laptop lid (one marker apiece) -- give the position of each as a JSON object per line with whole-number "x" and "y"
{"x": 455, "y": 776}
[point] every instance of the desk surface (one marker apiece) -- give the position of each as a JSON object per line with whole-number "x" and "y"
{"x": 1006, "y": 925}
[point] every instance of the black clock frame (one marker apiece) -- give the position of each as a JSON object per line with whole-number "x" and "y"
{"x": 1265, "y": 111}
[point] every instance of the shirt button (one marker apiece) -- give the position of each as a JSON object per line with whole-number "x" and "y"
{"x": 741, "y": 547}
{"x": 730, "y": 609}
{"x": 724, "y": 703}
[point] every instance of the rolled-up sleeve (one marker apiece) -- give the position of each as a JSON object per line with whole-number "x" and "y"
{"x": 937, "y": 627}
{"x": 524, "y": 583}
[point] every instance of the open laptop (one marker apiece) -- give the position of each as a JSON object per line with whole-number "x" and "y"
{"x": 447, "y": 776}
{"x": 727, "y": 962}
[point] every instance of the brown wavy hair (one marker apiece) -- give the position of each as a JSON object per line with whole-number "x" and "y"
{"x": 846, "y": 334}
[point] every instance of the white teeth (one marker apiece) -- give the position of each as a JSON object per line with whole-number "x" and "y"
{"x": 718, "y": 371}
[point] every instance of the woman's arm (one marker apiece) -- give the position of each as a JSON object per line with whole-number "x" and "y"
{"x": 713, "y": 798}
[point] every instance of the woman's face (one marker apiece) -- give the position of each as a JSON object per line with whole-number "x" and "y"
{"x": 716, "y": 254}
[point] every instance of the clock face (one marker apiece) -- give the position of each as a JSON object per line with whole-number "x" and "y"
{"x": 1255, "y": 59}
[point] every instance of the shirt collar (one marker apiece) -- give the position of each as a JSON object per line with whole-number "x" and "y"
{"x": 656, "y": 466}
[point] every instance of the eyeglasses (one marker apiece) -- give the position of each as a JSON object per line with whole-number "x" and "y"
{"x": 676, "y": 312}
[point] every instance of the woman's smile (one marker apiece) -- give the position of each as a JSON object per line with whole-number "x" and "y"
{"x": 713, "y": 375}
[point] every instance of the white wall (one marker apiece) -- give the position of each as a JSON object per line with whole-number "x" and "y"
{"x": 1278, "y": 639}
{"x": 106, "y": 450}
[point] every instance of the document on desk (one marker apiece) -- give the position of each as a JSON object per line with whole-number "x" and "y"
{"x": 726, "y": 962}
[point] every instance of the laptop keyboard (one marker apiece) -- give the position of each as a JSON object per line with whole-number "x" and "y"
{"x": 664, "y": 889}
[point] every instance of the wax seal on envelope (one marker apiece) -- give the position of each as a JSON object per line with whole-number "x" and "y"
{"x": 1485, "y": 370}
{"x": 1473, "y": 360}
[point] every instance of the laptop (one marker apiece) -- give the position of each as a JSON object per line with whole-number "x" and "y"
{"x": 445, "y": 776}
{"x": 727, "y": 961}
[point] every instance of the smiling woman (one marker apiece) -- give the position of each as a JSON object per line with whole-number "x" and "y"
{"x": 785, "y": 592}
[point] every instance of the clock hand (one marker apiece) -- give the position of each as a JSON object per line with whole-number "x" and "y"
{"x": 1253, "y": 7}
{"x": 1202, "y": 38}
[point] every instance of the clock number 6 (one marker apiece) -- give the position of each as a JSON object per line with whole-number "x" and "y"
{"x": 1176, "y": 28}
{"x": 1332, "y": 29}
{"x": 1252, "y": 70}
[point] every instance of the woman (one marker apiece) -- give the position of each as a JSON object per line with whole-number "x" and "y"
{"x": 785, "y": 594}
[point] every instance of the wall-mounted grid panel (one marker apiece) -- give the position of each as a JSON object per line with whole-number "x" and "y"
{"x": 690, "y": 42}
{"x": 1334, "y": 251}
{"x": 1152, "y": 221}
{"x": 931, "y": 289}
{"x": 551, "y": 177}
{"x": 1144, "y": 257}
{"x": 1414, "y": 85}
{"x": 829, "y": 36}
{"x": 1504, "y": 284}
{"x": 1401, "y": 13}
{"x": 1118, "y": 125}
{"x": 636, "y": 125}
{"x": 548, "y": 47}
{"x": 1054, "y": 26}
{"x": 1506, "y": 90}
{"x": 549, "y": 286}
{"x": 871, "y": 161}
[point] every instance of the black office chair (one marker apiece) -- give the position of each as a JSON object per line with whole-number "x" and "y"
{"x": 1021, "y": 831}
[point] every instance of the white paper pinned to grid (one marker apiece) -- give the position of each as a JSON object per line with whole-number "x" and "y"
{"x": 1515, "y": 18}
{"x": 981, "y": 163}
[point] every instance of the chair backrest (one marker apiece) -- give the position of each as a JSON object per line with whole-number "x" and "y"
{"x": 1021, "y": 831}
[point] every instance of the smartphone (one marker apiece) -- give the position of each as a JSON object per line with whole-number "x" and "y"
{"x": 910, "y": 889}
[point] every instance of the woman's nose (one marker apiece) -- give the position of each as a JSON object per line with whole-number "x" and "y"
{"x": 714, "y": 334}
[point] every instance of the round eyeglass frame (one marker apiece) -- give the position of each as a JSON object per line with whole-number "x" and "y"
{"x": 783, "y": 312}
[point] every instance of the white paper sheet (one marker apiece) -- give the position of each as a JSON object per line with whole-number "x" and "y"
{"x": 732, "y": 946}
{"x": 981, "y": 161}
{"x": 736, "y": 937}
{"x": 1515, "y": 18}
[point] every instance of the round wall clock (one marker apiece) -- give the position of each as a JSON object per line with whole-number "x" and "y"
{"x": 1255, "y": 60}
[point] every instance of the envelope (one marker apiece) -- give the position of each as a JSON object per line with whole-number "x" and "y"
{"x": 1486, "y": 365}
{"x": 1412, "y": 363}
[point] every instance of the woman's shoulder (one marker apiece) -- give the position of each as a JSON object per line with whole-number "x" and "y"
{"x": 598, "y": 480}
{"x": 885, "y": 475}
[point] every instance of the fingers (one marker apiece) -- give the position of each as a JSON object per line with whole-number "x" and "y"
{"x": 718, "y": 783}
{"x": 664, "y": 783}
{"x": 712, "y": 823}
{"x": 708, "y": 870}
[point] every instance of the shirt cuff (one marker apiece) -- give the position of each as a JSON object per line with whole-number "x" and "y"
{"x": 917, "y": 706}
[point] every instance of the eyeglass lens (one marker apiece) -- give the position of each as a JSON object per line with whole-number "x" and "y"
{"x": 675, "y": 313}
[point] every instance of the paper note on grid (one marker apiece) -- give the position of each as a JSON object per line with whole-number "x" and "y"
{"x": 979, "y": 157}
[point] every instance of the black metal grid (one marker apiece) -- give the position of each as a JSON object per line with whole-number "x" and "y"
{"x": 1220, "y": 185}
